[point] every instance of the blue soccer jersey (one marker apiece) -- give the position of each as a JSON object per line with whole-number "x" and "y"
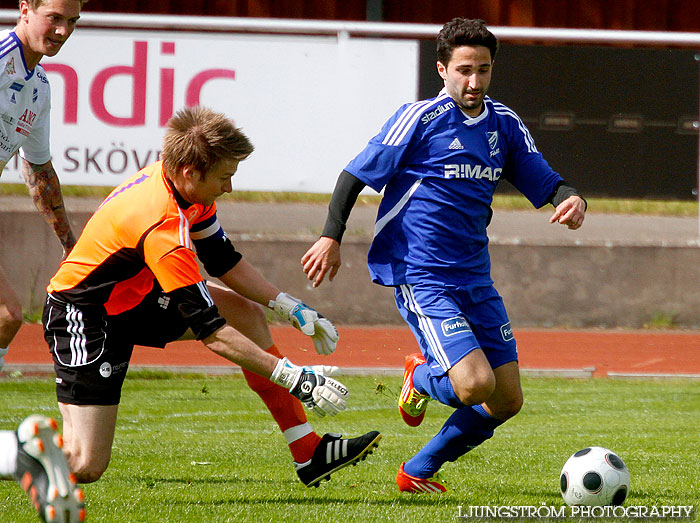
{"x": 439, "y": 169}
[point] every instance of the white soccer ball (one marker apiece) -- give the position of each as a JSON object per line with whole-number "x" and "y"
{"x": 594, "y": 476}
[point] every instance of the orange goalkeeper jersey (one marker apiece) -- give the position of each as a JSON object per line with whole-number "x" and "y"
{"x": 137, "y": 234}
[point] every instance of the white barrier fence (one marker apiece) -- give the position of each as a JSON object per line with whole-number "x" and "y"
{"x": 375, "y": 29}
{"x": 309, "y": 103}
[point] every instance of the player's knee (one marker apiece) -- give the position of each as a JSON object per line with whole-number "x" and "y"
{"x": 235, "y": 308}
{"x": 85, "y": 468}
{"x": 507, "y": 408}
{"x": 475, "y": 389}
{"x": 89, "y": 475}
{"x": 254, "y": 313}
{"x": 511, "y": 408}
{"x": 246, "y": 317}
{"x": 89, "y": 472}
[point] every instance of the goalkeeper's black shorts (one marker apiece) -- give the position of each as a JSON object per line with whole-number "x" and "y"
{"x": 91, "y": 350}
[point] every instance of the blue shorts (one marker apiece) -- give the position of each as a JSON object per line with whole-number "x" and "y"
{"x": 450, "y": 321}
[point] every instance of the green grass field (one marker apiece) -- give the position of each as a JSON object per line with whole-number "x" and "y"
{"x": 204, "y": 449}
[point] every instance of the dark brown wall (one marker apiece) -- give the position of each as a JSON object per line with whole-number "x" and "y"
{"x": 657, "y": 15}
{"x": 308, "y": 9}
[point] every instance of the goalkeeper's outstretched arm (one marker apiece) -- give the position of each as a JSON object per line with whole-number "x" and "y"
{"x": 247, "y": 281}
{"x": 318, "y": 392}
{"x": 244, "y": 279}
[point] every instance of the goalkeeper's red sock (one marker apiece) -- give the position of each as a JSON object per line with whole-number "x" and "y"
{"x": 288, "y": 413}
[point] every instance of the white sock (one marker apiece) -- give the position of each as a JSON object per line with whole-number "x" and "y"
{"x": 294, "y": 433}
{"x": 8, "y": 454}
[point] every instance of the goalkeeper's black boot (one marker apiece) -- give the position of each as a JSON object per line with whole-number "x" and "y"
{"x": 333, "y": 453}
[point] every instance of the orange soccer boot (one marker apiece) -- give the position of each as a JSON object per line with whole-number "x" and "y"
{"x": 408, "y": 483}
{"x": 412, "y": 404}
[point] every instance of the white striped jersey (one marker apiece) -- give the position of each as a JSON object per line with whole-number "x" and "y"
{"x": 25, "y": 103}
{"x": 438, "y": 169}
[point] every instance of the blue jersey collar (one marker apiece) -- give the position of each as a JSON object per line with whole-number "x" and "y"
{"x": 470, "y": 121}
{"x": 458, "y": 115}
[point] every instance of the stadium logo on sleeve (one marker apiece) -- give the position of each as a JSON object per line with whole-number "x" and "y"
{"x": 452, "y": 326}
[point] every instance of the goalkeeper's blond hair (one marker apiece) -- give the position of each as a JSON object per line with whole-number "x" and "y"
{"x": 202, "y": 138}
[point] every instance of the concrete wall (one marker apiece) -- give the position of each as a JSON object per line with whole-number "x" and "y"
{"x": 30, "y": 254}
{"x": 542, "y": 285}
{"x": 545, "y": 286}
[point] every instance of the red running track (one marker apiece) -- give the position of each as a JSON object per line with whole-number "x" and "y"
{"x": 637, "y": 352}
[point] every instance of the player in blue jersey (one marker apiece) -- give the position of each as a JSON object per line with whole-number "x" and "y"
{"x": 438, "y": 162}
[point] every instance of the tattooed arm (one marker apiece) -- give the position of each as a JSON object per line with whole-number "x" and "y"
{"x": 45, "y": 189}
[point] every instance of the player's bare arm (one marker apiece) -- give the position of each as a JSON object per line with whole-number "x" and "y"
{"x": 322, "y": 258}
{"x": 45, "y": 189}
{"x": 228, "y": 343}
{"x": 570, "y": 212}
{"x": 245, "y": 279}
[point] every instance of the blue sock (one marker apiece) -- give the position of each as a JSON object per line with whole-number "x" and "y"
{"x": 465, "y": 429}
{"x": 439, "y": 388}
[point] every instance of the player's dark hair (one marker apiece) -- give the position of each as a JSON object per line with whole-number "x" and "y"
{"x": 463, "y": 31}
{"x": 202, "y": 138}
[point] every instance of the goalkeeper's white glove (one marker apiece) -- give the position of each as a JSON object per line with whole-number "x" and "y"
{"x": 308, "y": 321}
{"x": 321, "y": 395}
{"x": 2, "y": 357}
